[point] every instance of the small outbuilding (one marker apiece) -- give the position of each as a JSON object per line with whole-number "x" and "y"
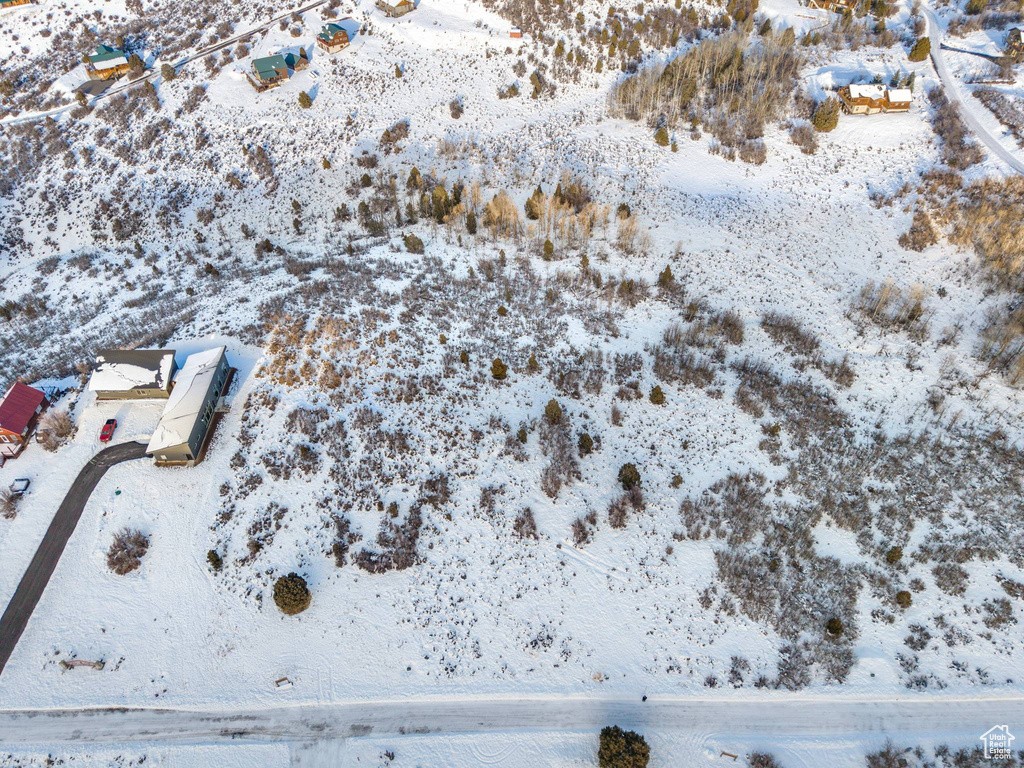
{"x": 19, "y": 409}
{"x": 332, "y": 38}
{"x": 515, "y": 32}
{"x": 106, "y": 63}
{"x": 396, "y": 9}
{"x": 133, "y": 374}
{"x": 184, "y": 426}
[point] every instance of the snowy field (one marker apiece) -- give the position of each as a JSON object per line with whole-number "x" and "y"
{"x": 459, "y": 541}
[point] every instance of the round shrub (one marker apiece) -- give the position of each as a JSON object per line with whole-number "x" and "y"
{"x": 629, "y": 476}
{"x": 498, "y": 369}
{"x": 305, "y": 101}
{"x": 126, "y": 551}
{"x": 657, "y": 396}
{"x": 291, "y": 594}
{"x": 894, "y": 555}
{"x": 622, "y": 749}
{"x": 412, "y": 243}
{"x": 834, "y": 627}
{"x": 585, "y": 444}
{"x": 903, "y": 599}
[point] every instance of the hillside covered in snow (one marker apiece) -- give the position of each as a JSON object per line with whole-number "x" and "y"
{"x": 613, "y": 359}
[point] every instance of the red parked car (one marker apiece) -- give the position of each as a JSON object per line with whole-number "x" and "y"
{"x": 108, "y": 430}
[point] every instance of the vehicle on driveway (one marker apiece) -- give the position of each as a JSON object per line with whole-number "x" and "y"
{"x": 108, "y": 430}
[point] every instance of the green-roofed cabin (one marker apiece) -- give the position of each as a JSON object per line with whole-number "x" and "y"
{"x": 332, "y": 38}
{"x": 270, "y": 71}
{"x": 106, "y": 63}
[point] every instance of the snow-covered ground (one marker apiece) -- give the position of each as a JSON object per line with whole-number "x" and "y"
{"x": 353, "y": 396}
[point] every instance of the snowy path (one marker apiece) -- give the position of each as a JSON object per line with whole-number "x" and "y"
{"x": 949, "y": 82}
{"x": 778, "y": 717}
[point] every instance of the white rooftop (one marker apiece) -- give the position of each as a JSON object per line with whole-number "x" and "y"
{"x": 901, "y": 94}
{"x": 186, "y": 400}
{"x": 870, "y": 91}
{"x": 122, "y": 376}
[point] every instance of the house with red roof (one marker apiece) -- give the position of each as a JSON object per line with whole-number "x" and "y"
{"x": 19, "y": 408}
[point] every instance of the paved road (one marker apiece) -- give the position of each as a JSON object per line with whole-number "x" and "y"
{"x": 993, "y": 143}
{"x": 776, "y": 716}
{"x": 32, "y": 584}
{"x": 154, "y": 74}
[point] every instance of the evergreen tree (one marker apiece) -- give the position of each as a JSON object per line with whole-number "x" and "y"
{"x": 549, "y": 250}
{"x": 498, "y": 369}
{"x": 921, "y": 50}
{"x": 471, "y": 222}
{"x": 553, "y": 412}
{"x": 657, "y": 396}
{"x": 826, "y": 116}
{"x": 305, "y": 101}
{"x": 398, "y": 71}
{"x": 291, "y": 594}
{"x": 622, "y": 749}
{"x": 661, "y": 137}
{"x": 167, "y": 72}
{"x": 629, "y": 476}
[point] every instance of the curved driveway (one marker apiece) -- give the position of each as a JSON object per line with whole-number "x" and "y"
{"x": 993, "y": 143}
{"x": 45, "y": 560}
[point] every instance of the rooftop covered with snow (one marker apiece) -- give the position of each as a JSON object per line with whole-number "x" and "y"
{"x": 123, "y": 370}
{"x": 186, "y": 401}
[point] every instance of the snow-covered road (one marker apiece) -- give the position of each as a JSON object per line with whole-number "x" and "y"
{"x": 966, "y": 108}
{"x": 777, "y": 717}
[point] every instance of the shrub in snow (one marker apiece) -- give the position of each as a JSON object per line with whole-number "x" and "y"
{"x": 553, "y": 412}
{"x": 894, "y": 555}
{"x": 525, "y": 526}
{"x": 622, "y": 749}
{"x": 921, "y": 50}
{"x": 826, "y": 115}
{"x": 126, "y": 551}
{"x": 903, "y": 599}
{"x": 412, "y": 243}
{"x": 585, "y": 444}
{"x": 762, "y": 760}
{"x": 498, "y": 369}
{"x": 803, "y": 136}
{"x": 291, "y": 594}
{"x": 167, "y": 72}
{"x": 834, "y": 627}
{"x": 8, "y": 504}
{"x": 305, "y": 101}
{"x": 629, "y": 476}
{"x": 657, "y": 396}
{"x": 921, "y": 233}
{"x": 549, "y": 250}
{"x": 215, "y": 560}
{"x": 661, "y": 137}
{"x": 54, "y": 429}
